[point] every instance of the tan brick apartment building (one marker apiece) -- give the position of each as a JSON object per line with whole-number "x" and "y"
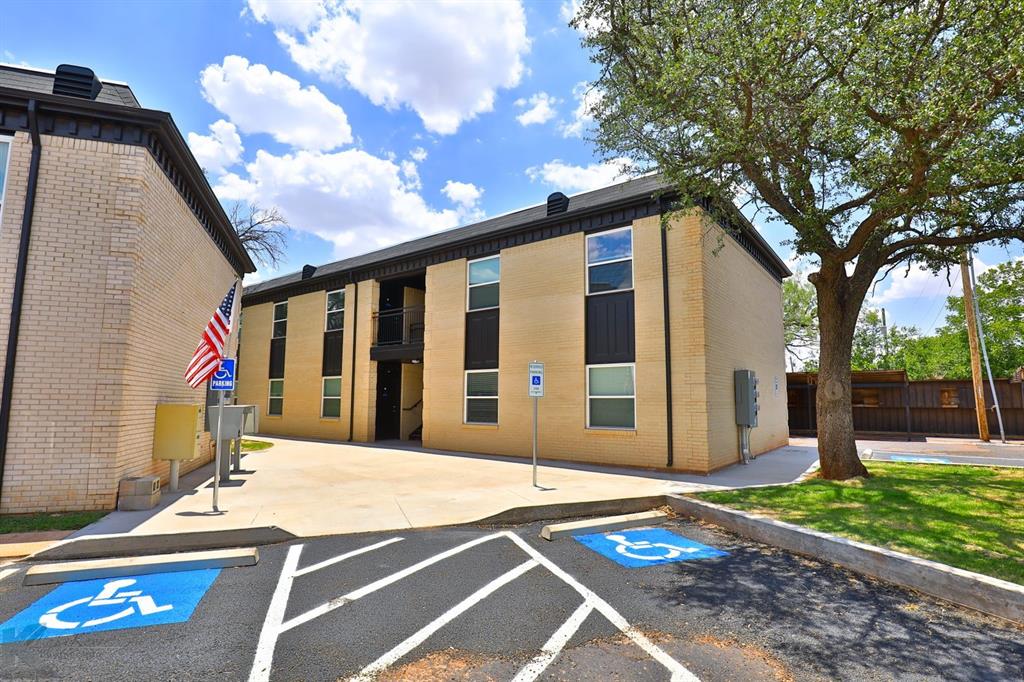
{"x": 117, "y": 251}
{"x": 640, "y": 330}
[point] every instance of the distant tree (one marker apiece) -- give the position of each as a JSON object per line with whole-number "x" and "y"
{"x": 800, "y": 320}
{"x": 946, "y": 355}
{"x": 261, "y": 231}
{"x": 876, "y": 347}
{"x": 882, "y": 132}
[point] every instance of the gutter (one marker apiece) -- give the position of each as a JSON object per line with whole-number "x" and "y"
{"x": 19, "y": 286}
{"x": 668, "y": 343}
{"x": 352, "y": 382}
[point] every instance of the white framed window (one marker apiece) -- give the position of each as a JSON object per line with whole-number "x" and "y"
{"x": 611, "y": 396}
{"x": 330, "y": 401}
{"x": 275, "y": 403}
{"x": 481, "y": 396}
{"x": 610, "y": 261}
{"x": 482, "y": 283}
{"x": 5, "y": 159}
{"x": 280, "y": 320}
{"x": 335, "y": 311}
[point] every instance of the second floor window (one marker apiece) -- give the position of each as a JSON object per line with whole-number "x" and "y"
{"x": 5, "y": 151}
{"x": 335, "y": 310}
{"x": 483, "y": 282}
{"x": 280, "y": 320}
{"x": 610, "y": 261}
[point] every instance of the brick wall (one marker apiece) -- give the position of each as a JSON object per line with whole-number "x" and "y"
{"x": 121, "y": 280}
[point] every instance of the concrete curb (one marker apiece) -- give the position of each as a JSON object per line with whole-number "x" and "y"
{"x": 973, "y": 590}
{"x": 107, "y": 546}
{"x": 557, "y": 530}
{"x": 48, "y": 574}
{"x": 568, "y": 510}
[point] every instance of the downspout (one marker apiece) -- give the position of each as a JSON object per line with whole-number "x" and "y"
{"x": 352, "y": 381}
{"x": 19, "y": 287}
{"x": 668, "y": 341}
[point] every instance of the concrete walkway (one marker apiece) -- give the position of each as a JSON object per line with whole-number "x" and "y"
{"x": 312, "y": 488}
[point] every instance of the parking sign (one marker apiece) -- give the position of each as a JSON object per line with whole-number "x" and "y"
{"x": 536, "y": 379}
{"x": 224, "y": 378}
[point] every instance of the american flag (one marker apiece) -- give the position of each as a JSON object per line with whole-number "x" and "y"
{"x": 206, "y": 359}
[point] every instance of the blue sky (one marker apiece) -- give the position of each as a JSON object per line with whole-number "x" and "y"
{"x": 373, "y": 125}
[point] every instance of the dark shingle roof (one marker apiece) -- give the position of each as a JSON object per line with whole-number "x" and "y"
{"x": 643, "y": 186}
{"x": 37, "y": 80}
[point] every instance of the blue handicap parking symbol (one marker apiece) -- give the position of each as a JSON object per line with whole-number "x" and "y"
{"x": 918, "y": 459}
{"x": 535, "y": 380}
{"x": 77, "y": 608}
{"x": 647, "y": 547}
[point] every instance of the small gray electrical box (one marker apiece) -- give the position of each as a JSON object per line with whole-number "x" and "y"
{"x": 746, "y": 397}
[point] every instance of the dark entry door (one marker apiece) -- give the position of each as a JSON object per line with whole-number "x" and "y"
{"x": 389, "y": 400}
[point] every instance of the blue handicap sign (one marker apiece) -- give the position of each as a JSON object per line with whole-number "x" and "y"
{"x": 918, "y": 459}
{"x": 85, "y": 606}
{"x": 535, "y": 380}
{"x": 224, "y": 378}
{"x": 647, "y": 547}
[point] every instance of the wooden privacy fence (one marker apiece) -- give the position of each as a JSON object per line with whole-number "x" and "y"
{"x": 888, "y": 403}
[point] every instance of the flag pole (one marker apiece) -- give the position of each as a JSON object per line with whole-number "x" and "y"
{"x": 216, "y": 456}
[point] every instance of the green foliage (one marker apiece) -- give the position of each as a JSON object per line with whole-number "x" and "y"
{"x": 799, "y": 319}
{"x": 876, "y": 346}
{"x": 28, "y": 523}
{"x": 255, "y": 445}
{"x": 946, "y": 355}
{"x": 965, "y": 516}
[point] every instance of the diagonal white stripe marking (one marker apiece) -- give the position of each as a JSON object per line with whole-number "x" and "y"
{"x": 532, "y": 670}
{"x": 451, "y": 614}
{"x": 349, "y": 555}
{"x": 383, "y": 582}
{"x": 275, "y": 614}
{"x": 679, "y": 672}
{"x": 7, "y": 572}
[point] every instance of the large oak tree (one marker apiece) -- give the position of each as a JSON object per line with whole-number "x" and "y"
{"x": 881, "y": 132}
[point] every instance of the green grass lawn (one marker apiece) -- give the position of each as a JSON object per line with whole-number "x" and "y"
{"x": 28, "y": 523}
{"x": 254, "y": 445}
{"x": 964, "y": 516}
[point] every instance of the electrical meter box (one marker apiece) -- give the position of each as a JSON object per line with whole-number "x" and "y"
{"x": 177, "y": 431}
{"x": 746, "y": 397}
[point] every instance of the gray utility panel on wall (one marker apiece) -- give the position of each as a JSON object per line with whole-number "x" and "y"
{"x": 746, "y": 397}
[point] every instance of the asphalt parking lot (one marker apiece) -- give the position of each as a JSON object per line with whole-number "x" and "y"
{"x": 501, "y": 604}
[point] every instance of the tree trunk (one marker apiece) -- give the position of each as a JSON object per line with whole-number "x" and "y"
{"x": 838, "y": 308}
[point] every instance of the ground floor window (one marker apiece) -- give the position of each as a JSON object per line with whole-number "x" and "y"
{"x": 330, "y": 405}
{"x": 481, "y": 396}
{"x": 611, "y": 397}
{"x": 275, "y": 406}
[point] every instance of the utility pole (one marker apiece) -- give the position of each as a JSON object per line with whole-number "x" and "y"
{"x": 885, "y": 339}
{"x": 972, "y": 338}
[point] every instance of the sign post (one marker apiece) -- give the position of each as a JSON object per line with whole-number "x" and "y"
{"x": 536, "y": 392}
{"x": 222, "y": 381}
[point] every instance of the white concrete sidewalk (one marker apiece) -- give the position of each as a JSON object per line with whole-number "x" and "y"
{"x": 314, "y": 488}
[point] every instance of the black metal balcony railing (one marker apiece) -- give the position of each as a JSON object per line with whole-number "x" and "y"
{"x": 401, "y": 326}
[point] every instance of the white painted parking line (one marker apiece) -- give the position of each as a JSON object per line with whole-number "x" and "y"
{"x": 679, "y": 672}
{"x": 388, "y": 659}
{"x": 342, "y": 557}
{"x": 383, "y": 582}
{"x": 275, "y": 615}
{"x": 532, "y": 670}
{"x": 5, "y": 572}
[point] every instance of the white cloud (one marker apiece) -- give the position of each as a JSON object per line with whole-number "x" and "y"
{"x": 219, "y": 150}
{"x": 569, "y": 178}
{"x": 541, "y": 109}
{"x": 259, "y": 100}
{"x": 443, "y": 60}
{"x": 294, "y": 14}
{"x": 355, "y": 200}
{"x": 419, "y": 154}
{"x": 411, "y": 174}
{"x": 588, "y": 98}
{"x": 920, "y": 283}
{"x": 462, "y": 193}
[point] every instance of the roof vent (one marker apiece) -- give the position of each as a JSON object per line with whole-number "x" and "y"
{"x": 308, "y": 271}
{"x": 76, "y": 81}
{"x": 557, "y": 203}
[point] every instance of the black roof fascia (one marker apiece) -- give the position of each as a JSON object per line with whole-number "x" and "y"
{"x": 599, "y": 217}
{"x": 86, "y": 119}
